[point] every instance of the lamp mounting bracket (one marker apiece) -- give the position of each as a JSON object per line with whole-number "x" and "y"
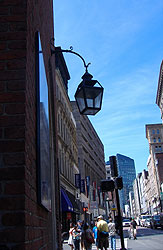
{"x": 53, "y": 51}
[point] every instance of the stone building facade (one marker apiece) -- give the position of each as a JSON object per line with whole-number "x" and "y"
{"x": 67, "y": 145}
{"x": 159, "y": 97}
{"x": 154, "y": 134}
{"x": 29, "y": 218}
{"x": 91, "y": 162}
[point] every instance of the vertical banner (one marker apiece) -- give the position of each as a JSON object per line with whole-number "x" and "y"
{"x": 94, "y": 190}
{"x": 82, "y": 186}
{"x": 78, "y": 181}
{"x": 87, "y": 182}
{"x": 98, "y": 192}
{"x": 103, "y": 197}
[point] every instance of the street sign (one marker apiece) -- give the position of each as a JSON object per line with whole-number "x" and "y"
{"x": 95, "y": 212}
{"x": 161, "y": 196}
{"x": 113, "y": 207}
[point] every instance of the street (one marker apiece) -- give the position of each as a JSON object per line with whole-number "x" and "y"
{"x": 147, "y": 239}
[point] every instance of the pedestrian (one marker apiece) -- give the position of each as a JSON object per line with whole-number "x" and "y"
{"x": 81, "y": 239}
{"x": 70, "y": 239}
{"x": 112, "y": 234}
{"x": 76, "y": 238}
{"x": 133, "y": 228}
{"x": 95, "y": 235}
{"x": 102, "y": 233}
{"x": 80, "y": 228}
{"x": 87, "y": 237}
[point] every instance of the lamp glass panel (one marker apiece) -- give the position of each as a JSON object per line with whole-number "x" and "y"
{"x": 93, "y": 97}
{"x": 98, "y": 100}
{"x": 80, "y": 99}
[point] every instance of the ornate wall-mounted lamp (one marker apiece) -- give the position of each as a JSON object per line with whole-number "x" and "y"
{"x": 89, "y": 92}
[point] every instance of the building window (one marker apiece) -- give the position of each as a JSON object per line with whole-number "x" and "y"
{"x": 159, "y": 139}
{"x": 153, "y": 131}
{"x": 154, "y": 139}
{"x": 43, "y": 130}
{"x": 158, "y": 131}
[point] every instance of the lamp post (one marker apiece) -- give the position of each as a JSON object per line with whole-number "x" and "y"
{"x": 89, "y": 92}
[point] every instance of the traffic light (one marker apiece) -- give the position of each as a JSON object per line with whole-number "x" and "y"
{"x": 107, "y": 185}
{"x": 113, "y": 166}
{"x": 85, "y": 209}
{"x": 119, "y": 182}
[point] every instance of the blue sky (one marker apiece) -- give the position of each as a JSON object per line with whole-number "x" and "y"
{"x": 123, "y": 40}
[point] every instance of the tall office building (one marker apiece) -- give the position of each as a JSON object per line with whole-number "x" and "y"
{"x": 126, "y": 169}
{"x": 108, "y": 169}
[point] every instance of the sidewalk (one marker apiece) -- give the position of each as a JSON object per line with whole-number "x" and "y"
{"x": 118, "y": 245}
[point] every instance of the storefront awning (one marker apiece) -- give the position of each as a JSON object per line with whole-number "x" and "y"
{"x": 73, "y": 202}
{"x": 65, "y": 202}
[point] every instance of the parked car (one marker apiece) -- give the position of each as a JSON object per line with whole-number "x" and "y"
{"x": 143, "y": 218}
{"x": 147, "y": 222}
{"x": 156, "y": 221}
{"x": 126, "y": 222}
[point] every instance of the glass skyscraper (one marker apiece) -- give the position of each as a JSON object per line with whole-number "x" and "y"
{"x": 126, "y": 169}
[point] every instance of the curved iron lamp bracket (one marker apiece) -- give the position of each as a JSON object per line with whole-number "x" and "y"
{"x": 53, "y": 51}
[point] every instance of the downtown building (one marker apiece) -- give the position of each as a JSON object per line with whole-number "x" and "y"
{"x": 126, "y": 169}
{"x": 142, "y": 191}
{"x": 29, "y": 174}
{"x": 154, "y": 134}
{"x": 67, "y": 146}
{"x": 91, "y": 166}
{"x": 159, "y": 102}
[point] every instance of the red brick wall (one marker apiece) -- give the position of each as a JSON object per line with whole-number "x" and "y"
{"x": 23, "y": 223}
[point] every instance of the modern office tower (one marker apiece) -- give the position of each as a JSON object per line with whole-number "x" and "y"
{"x": 108, "y": 169}
{"x": 126, "y": 169}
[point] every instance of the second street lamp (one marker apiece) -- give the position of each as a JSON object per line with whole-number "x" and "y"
{"x": 89, "y": 93}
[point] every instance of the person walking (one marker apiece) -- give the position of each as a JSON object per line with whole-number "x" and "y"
{"x": 112, "y": 234}
{"x": 87, "y": 237}
{"x": 133, "y": 228}
{"x": 95, "y": 235}
{"x": 76, "y": 238}
{"x": 70, "y": 239}
{"x": 102, "y": 233}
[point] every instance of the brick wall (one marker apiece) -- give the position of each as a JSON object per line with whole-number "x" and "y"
{"x": 23, "y": 223}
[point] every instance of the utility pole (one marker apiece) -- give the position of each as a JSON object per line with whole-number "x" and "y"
{"x": 115, "y": 183}
{"x": 118, "y": 185}
{"x": 120, "y": 221}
